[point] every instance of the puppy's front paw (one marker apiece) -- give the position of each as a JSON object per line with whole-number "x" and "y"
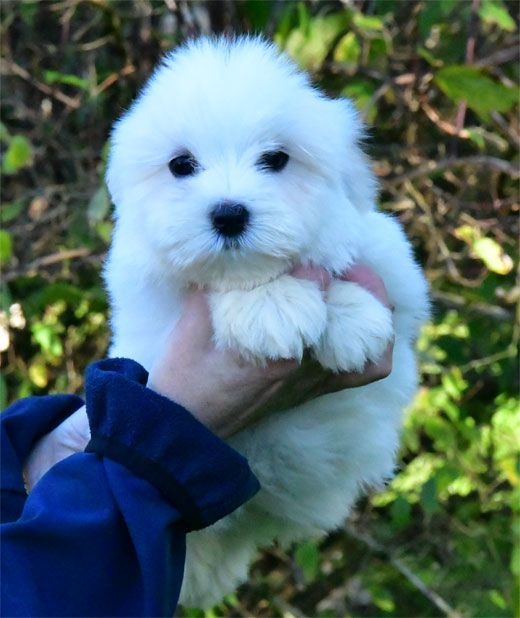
{"x": 359, "y": 328}
{"x": 275, "y": 320}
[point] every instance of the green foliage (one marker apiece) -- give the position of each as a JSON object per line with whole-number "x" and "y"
{"x": 444, "y": 135}
{"x": 6, "y": 246}
{"x": 495, "y": 12}
{"x": 55, "y": 77}
{"x": 462, "y": 83}
{"x": 18, "y": 155}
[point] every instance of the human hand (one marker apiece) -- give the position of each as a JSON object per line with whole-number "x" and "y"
{"x": 217, "y": 386}
{"x": 69, "y": 437}
{"x": 311, "y": 380}
{"x": 234, "y": 393}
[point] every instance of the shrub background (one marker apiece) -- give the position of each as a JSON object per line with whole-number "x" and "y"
{"x": 437, "y": 81}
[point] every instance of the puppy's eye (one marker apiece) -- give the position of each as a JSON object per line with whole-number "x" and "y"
{"x": 273, "y": 161}
{"x": 183, "y": 165}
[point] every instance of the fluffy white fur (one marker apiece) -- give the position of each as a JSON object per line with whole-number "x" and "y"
{"x": 228, "y": 102}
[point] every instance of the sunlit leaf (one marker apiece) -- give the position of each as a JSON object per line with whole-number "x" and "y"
{"x": 493, "y": 256}
{"x": 348, "y": 49}
{"x": 310, "y": 43}
{"x": 55, "y": 77}
{"x": 38, "y": 374}
{"x": 486, "y": 249}
{"x": 382, "y": 598}
{"x": 19, "y": 154}
{"x": 495, "y": 12}
{"x": 6, "y": 246}
{"x": 46, "y": 336}
{"x": 368, "y": 22}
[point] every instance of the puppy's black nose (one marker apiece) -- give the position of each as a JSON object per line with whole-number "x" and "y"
{"x": 229, "y": 219}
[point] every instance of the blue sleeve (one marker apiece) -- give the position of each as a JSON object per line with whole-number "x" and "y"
{"x": 103, "y": 532}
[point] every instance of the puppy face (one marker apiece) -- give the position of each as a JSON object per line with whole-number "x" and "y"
{"x": 229, "y": 164}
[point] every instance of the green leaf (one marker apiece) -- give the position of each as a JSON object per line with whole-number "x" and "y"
{"x": 401, "y": 512}
{"x": 495, "y": 12}
{"x": 429, "y": 501}
{"x": 429, "y": 57}
{"x": 38, "y": 373}
{"x": 47, "y": 338}
{"x": 28, "y": 11}
{"x": 483, "y": 95}
{"x": 104, "y": 230}
{"x": 311, "y": 42}
{"x": 434, "y": 12}
{"x": 493, "y": 256}
{"x": 18, "y": 155}
{"x": 475, "y": 135}
{"x": 4, "y": 133}
{"x": 368, "y": 22}
{"x": 99, "y": 206}
{"x": 348, "y": 49}
{"x": 10, "y": 211}
{"x": 6, "y": 247}
{"x": 497, "y": 599}
{"x": 382, "y": 598}
{"x": 55, "y": 77}
{"x": 362, "y": 92}
{"x": 307, "y": 557}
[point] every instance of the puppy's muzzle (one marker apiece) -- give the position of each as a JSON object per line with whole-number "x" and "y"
{"x": 229, "y": 219}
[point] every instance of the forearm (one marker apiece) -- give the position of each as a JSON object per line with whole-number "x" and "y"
{"x": 103, "y": 532}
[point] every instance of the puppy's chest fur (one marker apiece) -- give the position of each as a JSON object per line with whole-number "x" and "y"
{"x": 312, "y": 461}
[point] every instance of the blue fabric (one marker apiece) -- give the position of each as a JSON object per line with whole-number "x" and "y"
{"x": 103, "y": 532}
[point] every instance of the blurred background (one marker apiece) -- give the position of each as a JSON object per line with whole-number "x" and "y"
{"x": 437, "y": 82}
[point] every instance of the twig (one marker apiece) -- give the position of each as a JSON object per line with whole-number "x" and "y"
{"x": 500, "y": 57}
{"x": 458, "y": 302}
{"x": 113, "y": 78}
{"x": 511, "y": 134}
{"x": 432, "y": 167}
{"x": 46, "y": 260}
{"x": 399, "y": 565}
{"x": 16, "y": 69}
{"x": 445, "y": 126}
{"x": 478, "y": 363}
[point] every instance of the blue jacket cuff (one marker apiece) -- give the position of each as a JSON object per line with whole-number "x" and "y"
{"x": 22, "y": 425}
{"x": 157, "y": 439}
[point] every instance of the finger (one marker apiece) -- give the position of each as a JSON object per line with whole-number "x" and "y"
{"x": 368, "y": 279}
{"x": 312, "y": 273}
{"x": 372, "y": 372}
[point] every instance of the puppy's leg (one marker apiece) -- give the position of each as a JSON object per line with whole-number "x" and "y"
{"x": 275, "y": 320}
{"x": 359, "y": 328}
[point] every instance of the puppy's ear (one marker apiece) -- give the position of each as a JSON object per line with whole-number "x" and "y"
{"x": 357, "y": 176}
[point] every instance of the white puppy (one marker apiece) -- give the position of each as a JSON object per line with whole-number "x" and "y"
{"x": 229, "y": 169}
